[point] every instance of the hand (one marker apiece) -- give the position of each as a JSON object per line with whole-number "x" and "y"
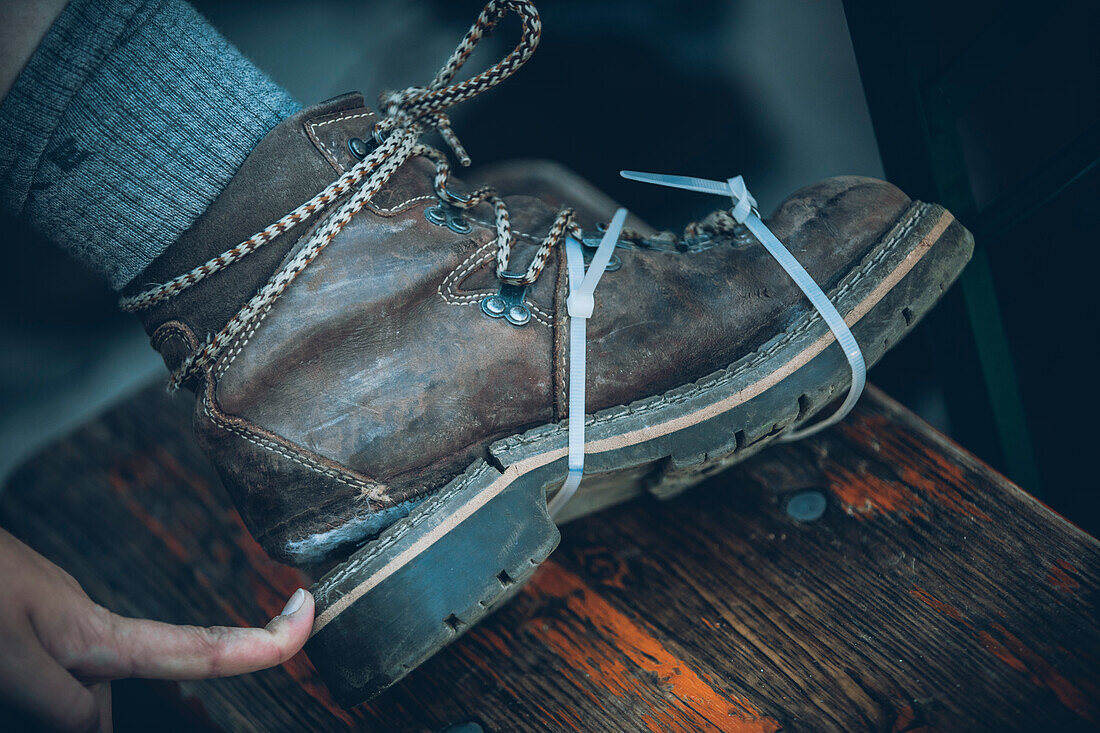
{"x": 60, "y": 650}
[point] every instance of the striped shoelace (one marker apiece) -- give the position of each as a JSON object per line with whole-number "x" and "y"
{"x": 408, "y": 115}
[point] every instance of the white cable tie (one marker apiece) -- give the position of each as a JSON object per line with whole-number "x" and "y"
{"x": 744, "y": 212}
{"x": 580, "y": 303}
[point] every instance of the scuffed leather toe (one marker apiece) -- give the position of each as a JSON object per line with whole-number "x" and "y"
{"x": 669, "y": 317}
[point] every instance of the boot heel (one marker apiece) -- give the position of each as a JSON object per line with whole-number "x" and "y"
{"x": 426, "y": 580}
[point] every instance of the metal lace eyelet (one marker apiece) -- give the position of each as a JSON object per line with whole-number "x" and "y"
{"x": 591, "y": 243}
{"x": 493, "y": 306}
{"x": 613, "y": 264}
{"x": 447, "y": 196}
{"x": 518, "y": 315}
{"x": 508, "y": 303}
{"x": 436, "y": 215}
{"x": 445, "y": 215}
{"x": 358, "y": 147}
{"x": 742, "y": 235}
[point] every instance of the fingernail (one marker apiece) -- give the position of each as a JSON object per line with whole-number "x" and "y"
{"x": 295, "y": 602}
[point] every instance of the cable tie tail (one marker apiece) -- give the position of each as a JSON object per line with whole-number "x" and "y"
{"x": 582, "y": 286}
{"x": 744, "y": 212}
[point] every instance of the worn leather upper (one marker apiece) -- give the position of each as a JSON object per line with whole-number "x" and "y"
{"x": 375, "y": 377}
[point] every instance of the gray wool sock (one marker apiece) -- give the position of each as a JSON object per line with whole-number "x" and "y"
{"x": 127, "y": 122}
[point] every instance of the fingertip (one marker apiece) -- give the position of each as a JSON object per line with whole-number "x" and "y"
{"x": 292, "y": 627}
{"x": 298, "y": 606}
{"x": 304, "y": 613}
{"x": 295, "y": 602}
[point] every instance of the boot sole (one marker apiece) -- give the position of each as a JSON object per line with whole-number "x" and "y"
{"x": 426, "y": 580}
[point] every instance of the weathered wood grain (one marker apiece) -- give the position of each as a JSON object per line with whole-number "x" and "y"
{"x": 931, "y": 595}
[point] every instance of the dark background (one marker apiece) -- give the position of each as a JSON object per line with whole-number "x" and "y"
{"x": 783, "y": 91}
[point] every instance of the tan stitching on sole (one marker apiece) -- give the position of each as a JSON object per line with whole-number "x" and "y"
{"x": 634, "y": 437}
{"x": 806, "y": 323}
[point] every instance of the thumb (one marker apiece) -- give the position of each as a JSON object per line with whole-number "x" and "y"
{"x": 156, "y": 650}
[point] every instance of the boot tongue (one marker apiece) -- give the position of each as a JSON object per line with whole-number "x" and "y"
{"x": 294, "y": 161}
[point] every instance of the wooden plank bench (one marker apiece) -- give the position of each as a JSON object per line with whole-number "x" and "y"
{"x": 932, "y": 594}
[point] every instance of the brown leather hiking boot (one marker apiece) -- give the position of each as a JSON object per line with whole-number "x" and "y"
{"x": 386, "y": 367}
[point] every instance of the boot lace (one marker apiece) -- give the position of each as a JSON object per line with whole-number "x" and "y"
{"x": 408, "y": 115}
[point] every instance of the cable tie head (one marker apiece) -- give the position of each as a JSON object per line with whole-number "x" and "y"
{"x": 580, "y": 304}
